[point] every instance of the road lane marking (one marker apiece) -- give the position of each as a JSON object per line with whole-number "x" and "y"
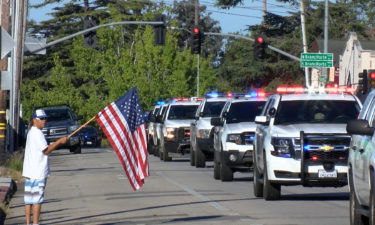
{"x": 194, "y": 193}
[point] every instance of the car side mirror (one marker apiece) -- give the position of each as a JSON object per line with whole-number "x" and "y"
{"x": 272, "y": 112}
{"x": 225, "y": 114}
{"x": 360, "y": 127}
{"x": 263, "y": 120}
{"x": 216, "y": 121}
{"x": 200, "y": 114}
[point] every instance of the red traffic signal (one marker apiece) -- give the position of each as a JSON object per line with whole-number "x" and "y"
{"x": 260, "y": 46}
{"x": 372, "y": 75}
{"x": 196, "y": 40}
{"x": 260, "y": 40}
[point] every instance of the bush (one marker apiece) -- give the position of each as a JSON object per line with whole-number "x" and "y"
{"x": 13, "y": 166}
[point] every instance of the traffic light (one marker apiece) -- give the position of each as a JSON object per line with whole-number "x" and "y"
{"x": 260, "y": 46}
{"x": 159, "y": 30}
{"x": 90, "y": 38}
{"x": 363, "y": 82}
{"x": 196, "y": 40}
{"x": 371, "y": 79}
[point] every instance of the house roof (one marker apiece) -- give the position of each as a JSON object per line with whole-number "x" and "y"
{"x": 337, "y": 47}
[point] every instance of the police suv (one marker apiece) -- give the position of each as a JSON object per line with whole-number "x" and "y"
{"x": 362, "y": 164}
{"x": 201, "y": 137}
{"x": 234, "y": 135}
{"x": 175, "y": 127}
{"x": 150, "y": 128}
{"x": 158, "y": 134}
{"x": 301, "y": 139}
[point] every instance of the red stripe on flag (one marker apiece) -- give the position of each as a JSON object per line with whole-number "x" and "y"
{"x": 131, "y": 143}
{"x": 128, "y": 161}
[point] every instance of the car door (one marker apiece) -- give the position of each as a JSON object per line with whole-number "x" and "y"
{"x": 362, "y": 148}
{"x": 261, "y": 132}
{"x": 219, "y": 129}
{"x": 193, "y": 125}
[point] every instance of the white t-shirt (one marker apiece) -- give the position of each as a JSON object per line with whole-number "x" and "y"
{"x": 35, "y": 163}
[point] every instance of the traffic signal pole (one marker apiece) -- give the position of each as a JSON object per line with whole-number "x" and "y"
{"x": 251, "y": 39}
{"x": 93, "y": 29}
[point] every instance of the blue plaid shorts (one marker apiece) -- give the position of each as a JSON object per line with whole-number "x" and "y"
{"x": 34, "y": 191}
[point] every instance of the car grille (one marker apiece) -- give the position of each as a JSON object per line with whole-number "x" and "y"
{"x": 183, "y": 133}
{"x": 326, "y": 148}
{"x": 55, "y": 131}
{"x": 248, "y": 138}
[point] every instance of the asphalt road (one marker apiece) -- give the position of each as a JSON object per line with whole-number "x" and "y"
{"x": 91, "y": 188}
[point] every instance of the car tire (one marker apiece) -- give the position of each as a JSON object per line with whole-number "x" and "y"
{"x": 271, "y": 191}
{"x": 216, "y": 169}
{"x": 200, "y": 158}
{"x": 355, "y": 217}
{"x": 76, "y": 149}
{"x": 166, "y": 156}
{"x": 226, "y": 173}
{"x": 192, "y": 156}
{"x": 257, "y": 184}
{"x": 372, "y": 199}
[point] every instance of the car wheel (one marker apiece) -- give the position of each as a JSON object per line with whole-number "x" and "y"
{"x": 192, "y": 157}
{"x": 216, "y": 169}
{"x": 355, "y": 217}
{"x": 226, "y": 173}
{"x": 200, "y": 158}
{"x": 165, "y": 155}
{"x": 372, "y": 199}
{"x": 76, "y": 149}
{"x": 257, "y": 184}
{"x": 271, "y": 191}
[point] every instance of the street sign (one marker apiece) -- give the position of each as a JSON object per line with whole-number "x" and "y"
{"x": 7, "y": 43}
{"x": 320, "y": 60}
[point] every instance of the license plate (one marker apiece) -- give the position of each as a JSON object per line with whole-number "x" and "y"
{"x": 89, "y": 142}
{"x": 327, "y": 174}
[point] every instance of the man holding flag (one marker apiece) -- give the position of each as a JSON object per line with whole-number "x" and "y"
{"x": 123, "y": 123}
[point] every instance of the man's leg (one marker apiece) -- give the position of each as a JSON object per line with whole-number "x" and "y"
{"x": 27, "y": 213}
{"x": 36, "y": 213}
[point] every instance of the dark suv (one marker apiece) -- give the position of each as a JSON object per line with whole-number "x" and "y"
{"x": 61, "y": 121}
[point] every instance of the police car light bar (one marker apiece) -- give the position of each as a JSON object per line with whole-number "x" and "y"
{"x": 328, "y": 89}
{"x": 254, "y": 94}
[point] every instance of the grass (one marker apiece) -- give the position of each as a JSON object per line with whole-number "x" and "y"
{"x": 13, "y": 166}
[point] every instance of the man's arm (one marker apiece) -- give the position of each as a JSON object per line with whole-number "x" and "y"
{"x": 54, "y": 145}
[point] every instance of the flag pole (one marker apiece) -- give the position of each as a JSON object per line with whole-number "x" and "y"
{"x": 74, "y": 132}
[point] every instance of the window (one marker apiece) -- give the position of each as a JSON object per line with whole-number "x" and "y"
{"x": 244, "y": 111}
{"x": 316, "y": 111}
{"x": 213, "y": 109}
{"x": 182, "y": 112}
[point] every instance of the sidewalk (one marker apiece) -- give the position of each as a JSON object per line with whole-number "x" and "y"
{"x": 7, "y": 189}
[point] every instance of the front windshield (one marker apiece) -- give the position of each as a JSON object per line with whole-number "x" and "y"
{"x": 88, "y": 130}
{"x": 58, "y": 114}
{"x": 182, "y": 112}
{"x": 244, "y": 111}
{"x": 213, "y": 109}
{"x": 316, "y": 111}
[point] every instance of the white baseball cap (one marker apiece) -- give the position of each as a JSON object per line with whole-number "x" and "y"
{"x": 39, "y": 113}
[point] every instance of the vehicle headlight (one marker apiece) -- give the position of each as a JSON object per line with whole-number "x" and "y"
{"x": 170, "y": 135}
{"x": 235, "y": 138}
{"x": 282, "y": 147}
{"x": 73, "y": 128}
{"x": 204, "y": 133}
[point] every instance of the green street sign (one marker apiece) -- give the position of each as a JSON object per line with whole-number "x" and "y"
{"x": 320, "y": 60}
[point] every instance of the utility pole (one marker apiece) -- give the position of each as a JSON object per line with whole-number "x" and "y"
{"x": 325, "y": 70}
{"x": 196, "y": 23}
{"x": 264, "y": 9}
{"x": 304, "y": 42}
{"x": 4, "y": 23}
{"x": 19, "y": 30}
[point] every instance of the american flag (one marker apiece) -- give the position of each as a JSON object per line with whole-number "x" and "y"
{"x": 123, "y": 123}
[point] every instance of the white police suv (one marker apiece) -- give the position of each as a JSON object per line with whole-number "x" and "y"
{"x": 175, "y": 127}
{"x": 201, "y": 137}
{"x": 362, "y": 164}
{"x": 234, "y": 135}
{"x": 301, "y": 139}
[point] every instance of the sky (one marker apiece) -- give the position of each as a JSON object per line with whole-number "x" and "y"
{"x": 231, "y": 20}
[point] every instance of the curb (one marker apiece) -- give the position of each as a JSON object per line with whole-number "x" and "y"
{"x": 7, "y": 189}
